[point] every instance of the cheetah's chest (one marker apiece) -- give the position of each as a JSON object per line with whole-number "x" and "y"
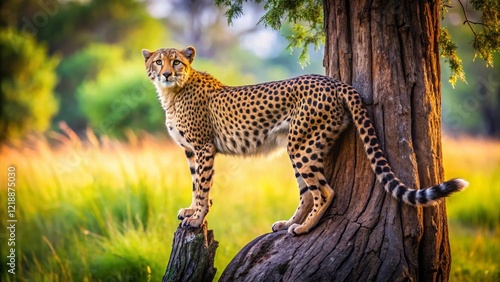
{"x": 179, "y": 139}
{"x": 177, "y": 135}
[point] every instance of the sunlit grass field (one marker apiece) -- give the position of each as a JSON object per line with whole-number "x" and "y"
{"x": 106, "y": 211}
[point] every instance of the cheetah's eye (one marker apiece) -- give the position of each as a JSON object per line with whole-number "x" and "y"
{"x": 176, "y": 62}
{"x": 158, "y": 62}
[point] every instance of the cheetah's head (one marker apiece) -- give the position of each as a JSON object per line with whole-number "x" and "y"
{"x": 169, "y": 68}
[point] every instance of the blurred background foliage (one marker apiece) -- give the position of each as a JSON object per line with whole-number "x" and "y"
{"x": 473, "y": 105}
{"x": 88, "y": 71}
{"x": 28, "y": 79}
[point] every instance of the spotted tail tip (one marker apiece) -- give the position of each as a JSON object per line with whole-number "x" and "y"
{"x": 461, "y": 183}
{"x": 454, "y": 185}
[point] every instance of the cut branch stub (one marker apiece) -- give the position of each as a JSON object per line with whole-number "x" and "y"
{"x": 192, "y": 256}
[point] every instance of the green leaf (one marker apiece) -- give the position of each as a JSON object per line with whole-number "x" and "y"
{"x": 306, "y": 15}
{"x": 449, "y": 53}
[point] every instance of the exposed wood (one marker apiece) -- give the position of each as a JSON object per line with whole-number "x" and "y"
{"x": 388, "y": 50}
{"x": 192, "y": 256}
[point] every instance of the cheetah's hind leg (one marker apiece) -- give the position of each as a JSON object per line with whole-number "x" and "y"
{"x": 305, "y": 206}
{"x": 308, "y": 162}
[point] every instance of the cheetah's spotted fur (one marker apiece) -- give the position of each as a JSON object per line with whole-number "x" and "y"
{"x": 306, "y": 114}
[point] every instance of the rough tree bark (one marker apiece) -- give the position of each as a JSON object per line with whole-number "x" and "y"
{"x": 192, "y": 256}
{"x": 388, "y": 50}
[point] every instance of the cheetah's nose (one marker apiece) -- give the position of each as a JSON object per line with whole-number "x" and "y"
{"x": 167, "y": 74}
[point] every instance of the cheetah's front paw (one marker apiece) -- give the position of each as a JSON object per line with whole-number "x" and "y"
{"x": 191, "y": 222}
{"x": 279, "y": 225}
{"x": 297, "y": 229}
{"x": 185, "y": 213}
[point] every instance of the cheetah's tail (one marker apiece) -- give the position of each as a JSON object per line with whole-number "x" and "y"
{"x": 379, "y": 164}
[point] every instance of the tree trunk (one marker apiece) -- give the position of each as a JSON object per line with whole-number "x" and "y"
{"x": 388, "y": 50}
{"x": 192, "y": 256}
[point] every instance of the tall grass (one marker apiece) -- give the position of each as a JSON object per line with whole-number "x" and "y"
{"x": 474, "y": 214}
{"x": 106, "y": 211}
{"x": 479, "y": 162}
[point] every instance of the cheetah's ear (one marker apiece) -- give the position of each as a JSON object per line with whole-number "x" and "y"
{"x": 146, "y": 54}
{"x": 189, "y": 52}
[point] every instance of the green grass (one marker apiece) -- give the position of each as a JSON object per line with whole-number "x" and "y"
{"x": 108, "y": 212}
{"x": 474, "y": 214}
{"x": 475, "y": 254}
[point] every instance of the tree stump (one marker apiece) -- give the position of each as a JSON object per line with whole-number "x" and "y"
{"x": 192, "y": 256}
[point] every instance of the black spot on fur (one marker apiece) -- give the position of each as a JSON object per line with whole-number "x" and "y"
{"x": 392, "y": 185}
{"x": 411, "y": 195}
{"x": 400, "y": 192}
{"x": 421, "y": 197}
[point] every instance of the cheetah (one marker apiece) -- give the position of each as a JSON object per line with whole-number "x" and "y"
{"x": 306, "y": 114}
